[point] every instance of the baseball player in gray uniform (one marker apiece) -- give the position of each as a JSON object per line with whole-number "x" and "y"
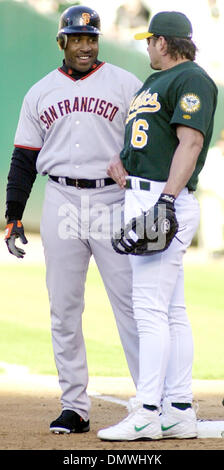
{"x": 71, "y": 124}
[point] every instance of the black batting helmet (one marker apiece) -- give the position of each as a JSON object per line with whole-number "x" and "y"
{"x": 77, "y": 19}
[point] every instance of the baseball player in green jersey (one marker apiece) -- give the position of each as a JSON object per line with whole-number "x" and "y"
{"x": 168, "y": 131}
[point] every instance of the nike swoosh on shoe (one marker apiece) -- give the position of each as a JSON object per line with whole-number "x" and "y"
{"x": 138, "y": 429}
{"x": 166, "y": 428}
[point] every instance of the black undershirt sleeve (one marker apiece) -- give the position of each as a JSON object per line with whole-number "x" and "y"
{"x": 21, "y": 177}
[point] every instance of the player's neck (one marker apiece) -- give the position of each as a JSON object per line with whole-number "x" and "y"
{"x": 168, "y": 62}
{"x": 76, "y": 74}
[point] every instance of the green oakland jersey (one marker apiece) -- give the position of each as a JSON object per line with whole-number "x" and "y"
{"x": 183, "y": 95}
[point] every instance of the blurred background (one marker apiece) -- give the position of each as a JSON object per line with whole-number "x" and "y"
{"x": 29, "y": 51}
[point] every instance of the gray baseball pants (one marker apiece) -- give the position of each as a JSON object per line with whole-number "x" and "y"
{"x": 76, "y": 224}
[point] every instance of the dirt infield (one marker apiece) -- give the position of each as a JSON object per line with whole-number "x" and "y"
{"x": 29, "y": 403}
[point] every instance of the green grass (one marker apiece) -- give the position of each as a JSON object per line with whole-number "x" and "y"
{"x": 25, "y": 337}
{"x": 205, "y": 301}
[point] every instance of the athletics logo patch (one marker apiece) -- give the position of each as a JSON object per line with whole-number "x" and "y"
{"x": 190, "y": 103}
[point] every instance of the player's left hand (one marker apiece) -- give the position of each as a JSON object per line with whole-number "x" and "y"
{"x": 14, "y": 229}
{"x": 151, "y": 232}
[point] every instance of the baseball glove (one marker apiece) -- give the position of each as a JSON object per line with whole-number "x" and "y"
{"x": 14, "y": 229}
{"x": 151, "y": 232}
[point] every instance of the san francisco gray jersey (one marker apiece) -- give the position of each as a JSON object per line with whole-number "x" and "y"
{"x": 77, "y": 125}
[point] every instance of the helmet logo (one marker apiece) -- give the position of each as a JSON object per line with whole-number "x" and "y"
{"x": 86, "y": 18}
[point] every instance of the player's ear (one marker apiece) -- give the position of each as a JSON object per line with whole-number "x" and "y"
{"x": 162, "y": 45}
{"x": 62, "y": 40}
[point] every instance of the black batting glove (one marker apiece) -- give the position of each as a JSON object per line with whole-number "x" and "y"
{"x": 14, "y": 229}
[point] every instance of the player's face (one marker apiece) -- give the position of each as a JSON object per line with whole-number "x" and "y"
{"x": 153, "y": 54}
{"x": 81, "y": 51}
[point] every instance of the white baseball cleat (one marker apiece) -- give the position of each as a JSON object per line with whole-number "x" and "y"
{"x": 178, "y": 424}
{"x": 140, "y": 424}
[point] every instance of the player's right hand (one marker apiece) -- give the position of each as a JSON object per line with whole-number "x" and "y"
{"x": 14, "y": 229}
{"x": 117, "y": 171}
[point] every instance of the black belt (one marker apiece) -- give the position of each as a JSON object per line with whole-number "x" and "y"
{"x": 81, "y": 183}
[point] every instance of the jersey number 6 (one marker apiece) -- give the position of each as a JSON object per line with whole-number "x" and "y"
{"x": 139, "y": 136}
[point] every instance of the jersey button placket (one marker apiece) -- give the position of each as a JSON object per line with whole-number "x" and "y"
{"x": 76, "y": 144}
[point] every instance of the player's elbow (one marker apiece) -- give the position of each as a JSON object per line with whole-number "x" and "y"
{"x": 196, "y": 146}
{"x": 197, "y": 142}
{"x": 191, "y": 140}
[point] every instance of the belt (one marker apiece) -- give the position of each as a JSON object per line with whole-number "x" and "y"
{"x": 145, "y": 185}
{"x": 82, "y": 183}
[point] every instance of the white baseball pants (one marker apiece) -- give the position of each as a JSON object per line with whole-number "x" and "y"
{"x": 67, "y": 258}
{"x": 165, "y": 337}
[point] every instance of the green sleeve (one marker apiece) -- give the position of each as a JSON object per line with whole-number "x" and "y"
{"x": 194, "y": 102}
